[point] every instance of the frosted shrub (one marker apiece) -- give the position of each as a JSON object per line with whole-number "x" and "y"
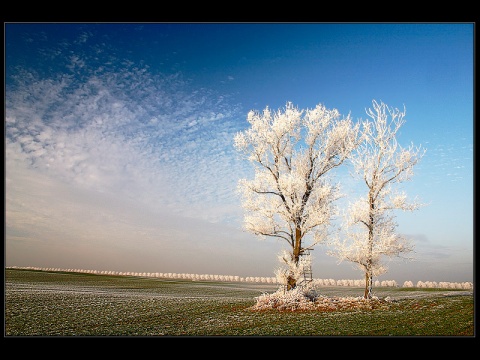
{"x": 306, "y": 298}
{"x": 295, "y": 299}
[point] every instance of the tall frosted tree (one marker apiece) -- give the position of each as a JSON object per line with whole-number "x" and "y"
{"x": 381, "y": 164}
{"x": 290, "y": 197}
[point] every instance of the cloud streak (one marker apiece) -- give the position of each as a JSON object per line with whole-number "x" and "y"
{"x": 128, "y": 132}
{"x": 113, "y": 159}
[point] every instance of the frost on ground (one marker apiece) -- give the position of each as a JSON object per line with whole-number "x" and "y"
{"x": 300, "y": 299}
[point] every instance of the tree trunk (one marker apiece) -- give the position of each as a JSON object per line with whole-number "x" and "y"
{"x": 291, "y": 281}
{"x": 368, "y": 286}
{"x": 368, "y": 273}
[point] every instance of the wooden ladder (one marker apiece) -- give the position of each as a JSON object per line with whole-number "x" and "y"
{"x": 307, "y": 271}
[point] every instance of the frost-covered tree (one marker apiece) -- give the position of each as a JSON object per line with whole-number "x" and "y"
{"x": 292, "y": 152}
{"x": 381, "y": 163}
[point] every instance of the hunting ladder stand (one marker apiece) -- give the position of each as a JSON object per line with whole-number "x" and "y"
{"x": 307, "y": 270}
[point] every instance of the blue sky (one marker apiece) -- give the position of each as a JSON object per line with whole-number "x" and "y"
{"x": 119, "y": 138}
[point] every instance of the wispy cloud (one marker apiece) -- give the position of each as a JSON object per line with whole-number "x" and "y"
{"x": 105, "y": 163}
{"x": 108, "y": 159}
{"x": 130, "y": 132}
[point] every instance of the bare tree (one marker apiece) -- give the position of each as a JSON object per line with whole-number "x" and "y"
{"x": 370, "y": 222}
{"x": 290, "y": 196}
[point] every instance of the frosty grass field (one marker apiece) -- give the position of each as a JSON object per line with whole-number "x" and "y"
{"x": 41, "y": 303}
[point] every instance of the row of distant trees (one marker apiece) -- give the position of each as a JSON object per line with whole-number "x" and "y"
{"x": 258, "y": 279}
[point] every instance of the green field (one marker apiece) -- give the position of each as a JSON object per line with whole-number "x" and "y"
{"x": 40, "y": 303}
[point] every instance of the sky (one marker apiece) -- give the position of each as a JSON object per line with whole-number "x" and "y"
{"x": 119, "y": 139}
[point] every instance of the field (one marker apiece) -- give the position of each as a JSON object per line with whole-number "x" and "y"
{"x": 40, "y": 303}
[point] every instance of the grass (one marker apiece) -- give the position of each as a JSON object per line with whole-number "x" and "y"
{"x": 40, "y": 303}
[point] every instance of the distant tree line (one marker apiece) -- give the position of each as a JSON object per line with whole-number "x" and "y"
{"x": 258, "y": 279}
